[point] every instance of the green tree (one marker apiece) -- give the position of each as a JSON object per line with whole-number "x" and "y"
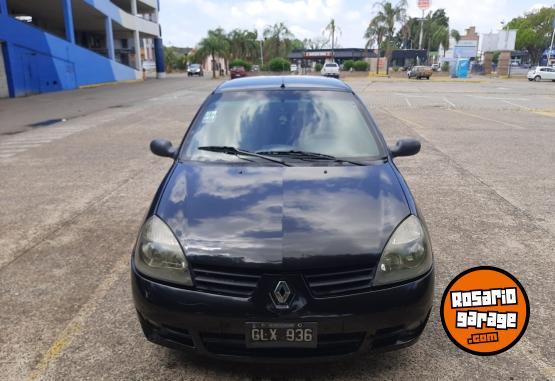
{"x": 243, "y": 44}
{"x": 277, "y": 40}
{"x": 348, "y": 64}
{"x": 456, "y": 35}
{"x": 534, "y": 31}
{"x": 240, "y": 62}
{"x": 212, "y": 46}
{"x": 279, "y": 64}
{"x": 435, "y": 31}
{"x": 331, "y": 30}
{"x": 220, "y": 34}
{"x": 360, "y": 65}
{"x": 382, "y": 27}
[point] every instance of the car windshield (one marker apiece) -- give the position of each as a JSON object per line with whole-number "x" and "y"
{"x": 195, "y": 66}
{"x": 325, "y": 122}
{"x": 331, "y": 65}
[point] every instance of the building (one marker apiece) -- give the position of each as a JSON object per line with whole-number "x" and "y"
{"x": 408, "y": 57}
{"x": 53, "y": 45}
{"x": 467, "y": 46}
{"x": 308, "y": 58}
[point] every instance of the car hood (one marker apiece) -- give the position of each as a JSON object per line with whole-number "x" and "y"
{"x": 282, "y": 217}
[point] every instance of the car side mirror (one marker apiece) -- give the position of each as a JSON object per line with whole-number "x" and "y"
{"x": 405, "y": 147}
{"x": 162, "y": 147}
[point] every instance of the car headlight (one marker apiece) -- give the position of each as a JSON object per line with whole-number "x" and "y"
{"x": 159, "y": 255}
{"x": 407, "y": 255}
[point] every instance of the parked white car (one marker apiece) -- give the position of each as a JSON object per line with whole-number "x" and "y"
{"x": 542, "y": 73}
{"x": 330, "y": 69}
{"x": 294, "y": 68}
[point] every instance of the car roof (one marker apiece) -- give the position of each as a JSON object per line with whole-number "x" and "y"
{"x": 283, "y": 82}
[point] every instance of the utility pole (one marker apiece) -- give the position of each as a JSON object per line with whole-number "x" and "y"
{"x": 421, "y": 30}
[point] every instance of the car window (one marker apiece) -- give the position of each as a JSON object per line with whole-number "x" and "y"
{"x": 328, "y": 122}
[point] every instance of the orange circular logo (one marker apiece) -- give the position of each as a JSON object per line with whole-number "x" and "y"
{"x": 485, "y": 310}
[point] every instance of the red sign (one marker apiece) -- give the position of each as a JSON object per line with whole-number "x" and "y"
{"x": 423, "y": 4}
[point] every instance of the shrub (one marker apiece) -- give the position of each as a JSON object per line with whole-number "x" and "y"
{"x": 347, "y": 65}
{"x": 240, "y": 62}
{"x": 395, "y": 69}
{"x": 445, "y": 66}
{"x": 279, "y": 64}
{"x": 361, "y": 65}
{"x": 318, "y": 67}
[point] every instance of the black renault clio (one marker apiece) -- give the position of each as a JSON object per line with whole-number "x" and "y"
{"x": 283, "y": 230}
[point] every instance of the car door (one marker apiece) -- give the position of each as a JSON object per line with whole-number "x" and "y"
{"x": 550, "y": 74}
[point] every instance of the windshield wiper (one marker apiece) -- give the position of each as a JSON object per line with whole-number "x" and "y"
{"x": 237, "y": 152}
{"x": 305, "y": 155}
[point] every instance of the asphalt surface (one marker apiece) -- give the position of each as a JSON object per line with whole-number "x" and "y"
{"x": 73, "y": 195}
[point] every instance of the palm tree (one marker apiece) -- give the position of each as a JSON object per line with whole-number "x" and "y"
{"x": 277, "y": 38}
{"x": 441, "y": 37}
{"x": 374, "y": 36}
{"x": 388, "y": 16}
{"x": 243, "y": 44}
{"x": 456, "y": 35}
{"x": 331, "y": 29}
{"x": 212, "y": 46}
{"x": 220, "y": 34}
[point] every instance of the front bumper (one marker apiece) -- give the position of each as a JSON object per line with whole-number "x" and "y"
{"x": 214, "y": 325}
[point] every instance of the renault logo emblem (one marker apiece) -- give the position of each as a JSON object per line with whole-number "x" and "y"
{"x": 281, "y": 293}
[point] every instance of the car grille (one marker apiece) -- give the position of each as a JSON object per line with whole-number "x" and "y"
{"x": 328, "y": 345}
{"x": 222, "y": 281}
{"x": 340, "y": 282}
{"x": 322, "y": 283}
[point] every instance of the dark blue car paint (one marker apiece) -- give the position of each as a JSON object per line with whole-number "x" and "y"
{"x": 270, "y": 216}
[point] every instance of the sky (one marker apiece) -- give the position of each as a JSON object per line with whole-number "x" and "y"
{"x": 185, "y": 22}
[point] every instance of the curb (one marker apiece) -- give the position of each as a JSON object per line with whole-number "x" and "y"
{"x": 114, "y": 83}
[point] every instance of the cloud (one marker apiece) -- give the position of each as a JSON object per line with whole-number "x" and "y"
{"x": 185, "y": 22}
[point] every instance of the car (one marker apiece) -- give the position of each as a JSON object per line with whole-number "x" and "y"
{"x": 419, "y": 72}
{"x": 330, "y": 69}
{"x": 237, "y": 72}
{"x": 195, "y": 69}
{"x": 294, "y": 68}
{"x": 255, "y": 68}
{"x": 436, "y": 67}
{"x": 540, "y": 73}
{"x": 283, "y": 230}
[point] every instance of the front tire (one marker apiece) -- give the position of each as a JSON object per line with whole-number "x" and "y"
{"x": 537, "y": 78}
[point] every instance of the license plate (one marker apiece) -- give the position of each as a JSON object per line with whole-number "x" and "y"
{"x": 281, "y": 335}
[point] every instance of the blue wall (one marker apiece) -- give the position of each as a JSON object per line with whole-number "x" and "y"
{"x": 37, "y": 61}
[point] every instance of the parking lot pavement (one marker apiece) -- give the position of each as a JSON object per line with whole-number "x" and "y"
{"x": 73, "y": 196}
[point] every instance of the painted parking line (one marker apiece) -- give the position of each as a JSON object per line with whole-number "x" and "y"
{"x": 408, "y": 102}
{"x": 449, "y": 102}
{"x": 75, "y": 326}
{"x": 496, "y": 98}
{"x": 512, "y": 125}
{"x": 516, "y": 105}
